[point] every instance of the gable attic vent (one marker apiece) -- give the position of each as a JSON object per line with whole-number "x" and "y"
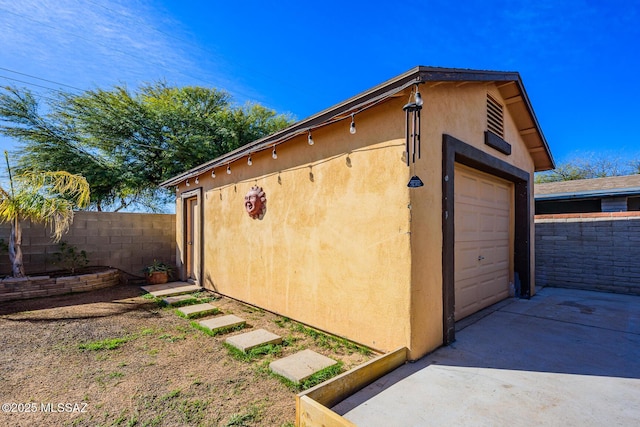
{"x": 495, "y": 118}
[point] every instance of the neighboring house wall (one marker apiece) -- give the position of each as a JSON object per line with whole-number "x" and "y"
{"x": 614, "y": 204}
{"x": 596, "y": 251}
{"x": 128, "y": 241}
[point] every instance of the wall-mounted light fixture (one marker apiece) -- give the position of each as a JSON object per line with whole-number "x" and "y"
{"x": 273, "y": 153}
{"x": 188, "y": 185}
{"x": 249, "y": 161}
{"x": 213, "y": 173}
{"x": 228, "y": 169}
{"x": 352, "y": 127}
{"x": 309, "y": 138}
{"x": 197, "y": 180}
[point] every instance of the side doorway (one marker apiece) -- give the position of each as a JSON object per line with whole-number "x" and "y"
{"x": 192, "y": 232}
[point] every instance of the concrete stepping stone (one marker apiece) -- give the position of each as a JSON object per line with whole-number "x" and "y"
{"x": 198, "y": 310}
{"x": 178, "y": 299}
{"x": 301, "y": 365}
{"x": 222, "y": 322}
{"x": 170, "y": 289}
{"x": 249, "y": 340}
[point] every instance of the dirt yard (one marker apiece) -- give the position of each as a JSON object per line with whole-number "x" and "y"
{"x": 115, "y": 358}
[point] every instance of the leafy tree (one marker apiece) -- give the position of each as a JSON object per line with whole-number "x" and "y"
{"x": 589, "y": 166}
{"x": 47, "y": 197}
{"x": 126, "y": 143}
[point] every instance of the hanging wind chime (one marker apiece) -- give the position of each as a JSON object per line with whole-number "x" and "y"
{"x": 412, "y": 135}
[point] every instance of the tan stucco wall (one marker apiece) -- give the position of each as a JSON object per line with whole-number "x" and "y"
{"x": 333, "y": 249}
{"x": 460, "y": 111}
{"x": 345, "y": 246}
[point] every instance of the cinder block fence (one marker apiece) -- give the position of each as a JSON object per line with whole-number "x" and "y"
{"x": 593, "y": 251}
{"x": 127, "y": 241}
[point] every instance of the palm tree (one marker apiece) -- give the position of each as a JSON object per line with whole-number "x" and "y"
{"x": 43, "y": 197}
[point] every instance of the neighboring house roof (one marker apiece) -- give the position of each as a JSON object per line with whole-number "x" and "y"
{"x": 627, "y": 185}
{"x": 509, "y": 84}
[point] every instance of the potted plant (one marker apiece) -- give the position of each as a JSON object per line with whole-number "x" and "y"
{"x": 158, "y": 272}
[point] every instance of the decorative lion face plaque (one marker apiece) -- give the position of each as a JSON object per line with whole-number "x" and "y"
{"x": 255, "y": 202}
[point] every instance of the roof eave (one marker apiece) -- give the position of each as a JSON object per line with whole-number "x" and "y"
{"x": 416, "y": 75}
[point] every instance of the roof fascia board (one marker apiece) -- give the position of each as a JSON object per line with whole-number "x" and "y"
{"x": 590, "y": 194}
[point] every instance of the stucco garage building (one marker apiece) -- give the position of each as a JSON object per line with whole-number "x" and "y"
{"x": 345, "y": 245}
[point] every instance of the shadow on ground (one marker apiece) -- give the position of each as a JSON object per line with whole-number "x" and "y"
{"x": 559, "y": 331}
{"x": 99, "y": 303}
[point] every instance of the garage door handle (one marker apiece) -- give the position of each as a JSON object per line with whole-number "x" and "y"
{"x": 480, "y": 258}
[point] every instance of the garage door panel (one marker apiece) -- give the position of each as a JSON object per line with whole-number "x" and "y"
{"x": 468, "y": 261}
{"x": 483, "y": 206}
{"x": 468, "y": 226}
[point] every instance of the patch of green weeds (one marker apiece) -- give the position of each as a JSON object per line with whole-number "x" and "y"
{"x": 241, "y": 419}
{"x": 252, "y": 309}
{"x": 315, "y": 379}
{"x": 322, "y": 376}
{"x": 116, "y": 374}
{"x": 120, "y": 419}
{"x": 331, "y": 342}
{"x": 283, "y": 322}
{"x": 190, "y": 301}
{"x": 172, "y": 338}
{"x": 192, "y": 411}
{"x": 288, "y": 424}
{"x": 219, "y": 331}
{"x": 197, "y": 315}
{"x": 155, "y": 421}
{"x": 107, "y": 344}
{"x": 254, "y": 353}
{"x": 150, "y": 297}
{"x": 171, "y": 395}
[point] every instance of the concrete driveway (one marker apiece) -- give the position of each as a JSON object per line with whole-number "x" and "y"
{"x": 563, "y": 358}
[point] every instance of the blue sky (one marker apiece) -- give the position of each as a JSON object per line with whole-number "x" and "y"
{"x": 578, "y": 59}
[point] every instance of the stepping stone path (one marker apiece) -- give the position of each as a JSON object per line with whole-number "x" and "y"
{"x": 172, "y": 288}
{"x": 296, "y": 368}
{"x": 249, "y": 340}
{"x": 300, "y": 366}
{"x": 198, "y": 310}
{"x": 222, "y": 322}
{"x": 178, "y": 299}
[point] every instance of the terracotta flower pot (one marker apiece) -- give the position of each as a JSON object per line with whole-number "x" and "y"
{"x": 157, "y": 277}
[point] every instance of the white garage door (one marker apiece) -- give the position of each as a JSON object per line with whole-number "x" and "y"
{"x": 483, "y": 243}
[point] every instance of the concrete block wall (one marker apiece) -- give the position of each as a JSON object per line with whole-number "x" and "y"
{"x": 127, "y": 241}
{"x": 32, "y": 287}
{"x": 593, "y": 251}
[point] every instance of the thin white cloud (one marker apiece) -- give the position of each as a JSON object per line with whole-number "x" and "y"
{"x": 90, "y": 43}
